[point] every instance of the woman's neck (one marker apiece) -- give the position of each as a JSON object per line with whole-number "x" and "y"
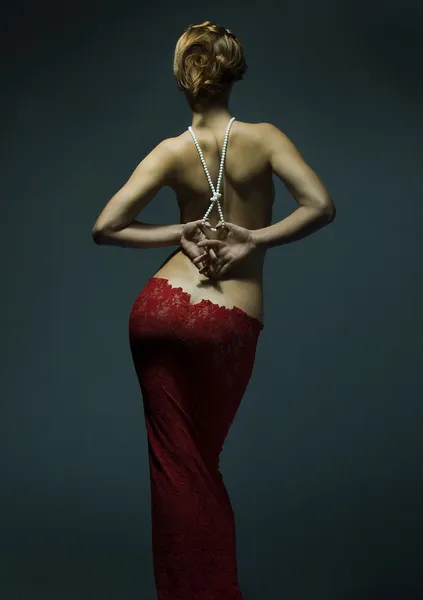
{"x": 212, "y": 115}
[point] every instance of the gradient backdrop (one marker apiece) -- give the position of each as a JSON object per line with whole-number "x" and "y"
{"x": 324, "y": 459}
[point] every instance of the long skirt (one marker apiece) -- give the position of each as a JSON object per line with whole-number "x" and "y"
{"x": 193, "y": 363}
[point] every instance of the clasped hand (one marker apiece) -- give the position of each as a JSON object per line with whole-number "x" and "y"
{"x": 216, "y": 256}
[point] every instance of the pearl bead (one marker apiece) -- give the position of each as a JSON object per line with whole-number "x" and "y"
{"x": 216, "y": 194}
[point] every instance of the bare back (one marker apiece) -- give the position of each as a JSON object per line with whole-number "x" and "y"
{"x": 247, "y": 190}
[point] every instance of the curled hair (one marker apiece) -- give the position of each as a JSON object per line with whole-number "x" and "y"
{"x": 208, "y": 59}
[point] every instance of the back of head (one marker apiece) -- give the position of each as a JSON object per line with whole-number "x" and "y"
{"x": 208, "y": 60}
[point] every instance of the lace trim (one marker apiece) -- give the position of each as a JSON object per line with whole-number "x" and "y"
{"x": 207, "y": 302}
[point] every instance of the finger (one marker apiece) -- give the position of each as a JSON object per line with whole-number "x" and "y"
{"x": 211, "y": 243}
{"x": 223, "y": 270}
{"x": 220, "y": 266}
{"x": 212, "y": 254}
{"x": 222, "y": 225}
{"x": 203, "y": 269}
{"x": 200, "y": 258}
{"x": 201, "y": 226}
{"x": 192, "y": 224}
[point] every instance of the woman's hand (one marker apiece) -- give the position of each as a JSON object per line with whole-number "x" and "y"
{"x": 231, "y": 249}
{"x": 192, "y": 234}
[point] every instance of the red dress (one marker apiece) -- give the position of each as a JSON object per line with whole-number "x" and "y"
{"x": 193, "y": 363}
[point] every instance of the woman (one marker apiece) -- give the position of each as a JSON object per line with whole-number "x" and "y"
{"x": 194, "y": 327}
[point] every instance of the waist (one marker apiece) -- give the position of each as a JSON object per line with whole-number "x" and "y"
{"x": 243, "y": 289}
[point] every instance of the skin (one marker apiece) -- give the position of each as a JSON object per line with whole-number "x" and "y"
{"x": 227, "y": 270}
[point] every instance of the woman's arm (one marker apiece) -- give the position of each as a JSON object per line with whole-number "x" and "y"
{"x": 116, "y": 224}
{"x": 316, "y": 208}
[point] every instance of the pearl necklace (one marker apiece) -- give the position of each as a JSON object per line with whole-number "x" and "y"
{"x": 215, "y": 199}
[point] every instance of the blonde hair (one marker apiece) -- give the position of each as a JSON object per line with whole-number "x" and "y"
{"x": 208, "y": 59}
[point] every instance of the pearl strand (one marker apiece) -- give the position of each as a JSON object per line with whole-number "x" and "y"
{"x": 216, "y": 193}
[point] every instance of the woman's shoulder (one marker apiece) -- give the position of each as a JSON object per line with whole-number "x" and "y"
{"x": 254, "y": 131}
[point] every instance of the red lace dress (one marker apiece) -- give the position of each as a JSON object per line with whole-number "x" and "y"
{"x": 193, "y": 363}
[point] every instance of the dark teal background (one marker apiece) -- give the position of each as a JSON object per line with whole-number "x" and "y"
{"x": 324, "y": 459}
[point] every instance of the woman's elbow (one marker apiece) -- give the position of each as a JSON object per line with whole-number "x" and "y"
{"x": 328, "y": 211}
{"x": 98, "y": 235}
{"x": 331, "y": 213}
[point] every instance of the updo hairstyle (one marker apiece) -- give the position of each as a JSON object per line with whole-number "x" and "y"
{"x": 208, "y": 60}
